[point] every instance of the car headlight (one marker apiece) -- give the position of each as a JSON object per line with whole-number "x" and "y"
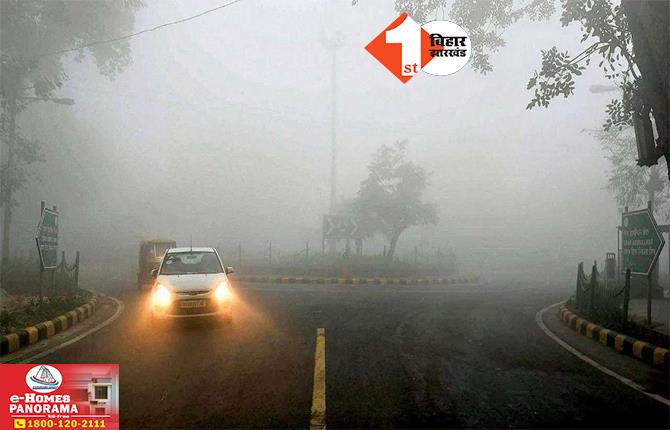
{"x": 222, "y": 292}
{"x": 161, "y": 296}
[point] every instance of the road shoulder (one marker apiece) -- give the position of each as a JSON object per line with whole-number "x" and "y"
{"x": 107, "y": 310}
{"x": 652, "y": 380}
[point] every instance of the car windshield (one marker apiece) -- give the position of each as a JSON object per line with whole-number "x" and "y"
{"x": 184, "y": 263}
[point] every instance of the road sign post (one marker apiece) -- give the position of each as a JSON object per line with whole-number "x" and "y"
{"x": 649, "y": 295}
{"x": 626, "y": 299}
{"x": 641, "y": 246}
{"x": 339, "y": 227}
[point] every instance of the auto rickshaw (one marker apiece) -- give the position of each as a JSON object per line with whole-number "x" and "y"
{"x": 151, "y": 253}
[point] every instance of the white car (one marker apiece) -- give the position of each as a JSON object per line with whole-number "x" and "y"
{"x": 191, "y": 282}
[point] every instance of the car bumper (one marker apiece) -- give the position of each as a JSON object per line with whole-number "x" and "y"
{"x": 176, "y": 310}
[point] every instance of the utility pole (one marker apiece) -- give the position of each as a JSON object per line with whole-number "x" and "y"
{"x": 333, "y": 129}
{"x": 333, "y": 45}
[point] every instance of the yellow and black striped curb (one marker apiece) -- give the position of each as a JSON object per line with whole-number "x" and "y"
{"x": 650, "y": 354}
{"x": 22, "y": 338}
{"x": 357, "y": 281}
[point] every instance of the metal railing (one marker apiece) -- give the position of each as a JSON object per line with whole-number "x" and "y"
{"x": 67, "y": 275}
{"x": 602, "y": 299}
{"x": 314, "y": 261}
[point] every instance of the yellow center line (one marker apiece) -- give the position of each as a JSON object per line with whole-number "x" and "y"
{"x": 317, "y": 420}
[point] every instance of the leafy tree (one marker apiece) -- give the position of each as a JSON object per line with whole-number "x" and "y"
{"x": 485, "y": 20}
{"x": 633, "y": 186}
{"x": 390, "y": 199}
{"x": 629, "y": 37}
{"x": 607, "y": 26}
{"x": 35, "y": 38}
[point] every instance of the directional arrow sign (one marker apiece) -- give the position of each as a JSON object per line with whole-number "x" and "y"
{"x": 47, "y": 239}
{"x": 642, "y": 242}
{"x": 339, "y": 227}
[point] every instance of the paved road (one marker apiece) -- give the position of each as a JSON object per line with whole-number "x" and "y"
{"x": 396, "y": 356}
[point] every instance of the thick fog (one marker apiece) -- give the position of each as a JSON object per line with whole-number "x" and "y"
{"x": 220, "y": 130}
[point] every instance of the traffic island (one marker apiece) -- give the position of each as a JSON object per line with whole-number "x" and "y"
{"x": 12, "y": 342}
{"x": 651, "y": 354}
{"x": 357, "y": 281}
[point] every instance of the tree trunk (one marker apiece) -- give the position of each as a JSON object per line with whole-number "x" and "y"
{"x": 648, "y": 22}
{"x": 394, "y": 242}
{"x": 359, "y": 246}
{"x": 7, "y": 185}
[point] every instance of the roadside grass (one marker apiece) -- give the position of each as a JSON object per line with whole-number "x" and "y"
{"x": 20, "y": 311}
{"x": 20, "y": 304}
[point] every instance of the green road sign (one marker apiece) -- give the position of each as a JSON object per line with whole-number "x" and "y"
{"x": 47, "y": 239}
{"x": 642, "y": 242}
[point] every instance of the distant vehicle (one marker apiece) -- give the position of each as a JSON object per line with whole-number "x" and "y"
{"x": 151, "y": 254}
{"x": 191, "y": 282}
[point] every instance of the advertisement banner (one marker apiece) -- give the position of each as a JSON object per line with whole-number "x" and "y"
{"x": 59, "y": 396}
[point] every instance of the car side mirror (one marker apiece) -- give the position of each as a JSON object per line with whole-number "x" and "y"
{"x": 154, "y": 273}
{"x": 229, "y": 270}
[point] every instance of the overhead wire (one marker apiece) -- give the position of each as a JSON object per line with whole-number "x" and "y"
{"x": 147, "y": 30}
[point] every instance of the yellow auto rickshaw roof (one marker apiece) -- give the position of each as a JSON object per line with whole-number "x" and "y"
{"x": 147, "y": 241}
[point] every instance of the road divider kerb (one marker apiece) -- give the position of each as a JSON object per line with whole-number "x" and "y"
{"x": 14, "y": 341}
{"x": 647, "y": 352}
{"x": 356, "y": 281}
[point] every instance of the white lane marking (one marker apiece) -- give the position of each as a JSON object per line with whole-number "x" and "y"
{"x": 583, "y": 357}
{"x": 119, "y": 310}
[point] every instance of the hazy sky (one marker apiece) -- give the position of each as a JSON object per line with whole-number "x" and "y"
{"x": 220, "y": 129}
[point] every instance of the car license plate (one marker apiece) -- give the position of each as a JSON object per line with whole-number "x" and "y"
{"x": 192, "y": 304}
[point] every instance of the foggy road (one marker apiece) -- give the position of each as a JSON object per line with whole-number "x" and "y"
{"x": 196, "y": 145}
{"x": 395, "y": 357}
